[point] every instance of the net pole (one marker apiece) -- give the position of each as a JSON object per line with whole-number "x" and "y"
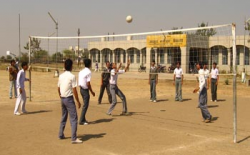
{"x": 234, "y": 84}
{"x": 29, "y": 68}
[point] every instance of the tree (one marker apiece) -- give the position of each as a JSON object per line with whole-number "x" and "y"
{"x": 205, "y": 32}
{"x": 8, "y": 57}
{"x": 57, "y": 57}
{"x": 24, "y": 57}
{"x": 68, "y": 54}
{"x": 34, "y": 44}
{"x": 177, "y": 32}
{"x": 41, "y": 56}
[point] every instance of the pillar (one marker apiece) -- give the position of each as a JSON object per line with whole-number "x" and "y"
{"x": 185, "y": 59}
{"x": 141, "y": 59}
{"x": 148, "y": 58}
{"x": 113, "y": 56}
{"x": 101, "y": 60}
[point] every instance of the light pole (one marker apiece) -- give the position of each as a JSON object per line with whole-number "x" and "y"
{"x": 49, "y": 35}
{"x": 56, "y": 22}
{"x": 246, "y": 27}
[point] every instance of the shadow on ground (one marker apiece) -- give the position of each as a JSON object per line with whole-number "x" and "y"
{"x": 102, "y": 121}
{"x": 91, "y": 136}
{"x": 213, "y": 106}
{"x": 244, "y": 139}
{"x": 37, "y": 112}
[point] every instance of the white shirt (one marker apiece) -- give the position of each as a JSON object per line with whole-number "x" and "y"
{"x": 84, "y": 77}
{"x": 178, "y": 72}
{"x": 66, "y": 82}
{"x": 206, "y": 73}
{"x": 20, "y": 79}
{"x": 114, "y": 76}
{"x": 202, "y": 80}
{"x": 214, "y": 73}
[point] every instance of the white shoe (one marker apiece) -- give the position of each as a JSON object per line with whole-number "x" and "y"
{"x": 215, "y": 100}
{"x": 211, "y": 100}
{"x": 77, "y": 141}
{"x": 151, "y": 100}
{"x": 17, "y": 113}
{"x": 155, "y": 101}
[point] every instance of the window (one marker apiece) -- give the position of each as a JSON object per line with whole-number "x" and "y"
{"x": 224, "y": 56}
{"x": 169, "y": 60}
{"x": 131, "y": 56}
{"x": 162, "y": 56}
{"x": 124, "y": 57}
{"x": 214, "y": 55}
{"x": 238, "y": 56}
{"x": 246, "y": 56}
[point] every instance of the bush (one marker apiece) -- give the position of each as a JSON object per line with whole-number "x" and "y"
{"x": 227, "y": 82}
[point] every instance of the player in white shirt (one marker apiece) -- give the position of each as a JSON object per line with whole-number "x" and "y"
{"x": 114, "y": 90}
{"x": 214, "y": 82}
{"x": 67, "y": 89}
{"x": 207, "y": 117}
{"x": 85, "y": 88}
{"x": 178, "y": 82}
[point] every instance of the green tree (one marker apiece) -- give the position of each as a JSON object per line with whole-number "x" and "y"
{"x": 40, "y": 56}
{"x": 24, "y": 57}
{"x": 8, "y": 57}
{"x": 57, "y": 57}
{"x": 205, "y": 32}
{"x": 68, "y": 54}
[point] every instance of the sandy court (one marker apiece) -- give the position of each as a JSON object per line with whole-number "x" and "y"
{"x": 165, "y": 127}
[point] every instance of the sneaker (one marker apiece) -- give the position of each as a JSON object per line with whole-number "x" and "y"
{"x": 211, "y": 100}
{"x": 215, "y": 100}
{"x": 17, "y": 113}
{"x": 77, "y": 141}
{"x": 84, "y": 123}
{"x": 151, "y": 100}
{"x": 61, "y": 138}
{"x": 155, "y": 101}
{"x": 207, "y": 121}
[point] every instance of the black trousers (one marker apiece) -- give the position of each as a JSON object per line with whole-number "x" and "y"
{"x": 102, "y": 89}
{"x": 85, "y": 97}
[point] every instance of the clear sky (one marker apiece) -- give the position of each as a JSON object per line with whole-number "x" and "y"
{"x": 98, "y": 17}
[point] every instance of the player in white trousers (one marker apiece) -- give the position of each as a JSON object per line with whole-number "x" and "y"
{"x": 21, "y": 94}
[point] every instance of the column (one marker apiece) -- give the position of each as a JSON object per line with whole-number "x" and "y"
{"x": 141, "y": 60}
{"x": 165, "y": 56}
{"x": 185, "y": 59}
{"x": 148, "y": 58}
{"x": 156, "y": 56}
{"x": 101, "y": 60}
{"x": 113, "y": 56}
{"x": 135, "y": 56}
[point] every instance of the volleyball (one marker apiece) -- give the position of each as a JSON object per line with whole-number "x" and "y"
{"x": 129, "y": 19}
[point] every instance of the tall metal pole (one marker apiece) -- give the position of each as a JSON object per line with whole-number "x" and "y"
{"x": 234, "y": 84}
{"x": 19, "y": 54}
{"x": 244, "y": 41}
{"x": 56, "y": 22}
{"x": 78, "y": 47}
{"x": 30, "y": 68}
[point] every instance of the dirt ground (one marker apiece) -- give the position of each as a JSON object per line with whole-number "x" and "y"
{"x": 166, "y": 127}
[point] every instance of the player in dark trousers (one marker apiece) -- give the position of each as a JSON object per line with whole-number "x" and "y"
{"x": 105, "y": 83}
{"x": 114, "y": 90}
{"x": 207, "y": 117}
{"x": 214, "y": 82}
{"x": 152, "y": 81}
{"x": 67, "y": 89}
{"x": 85, "y": 88}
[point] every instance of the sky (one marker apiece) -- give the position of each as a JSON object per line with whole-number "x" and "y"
{"x": 100, "y": 17}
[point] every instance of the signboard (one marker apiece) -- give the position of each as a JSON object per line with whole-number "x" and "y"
{"x": 175, "y": 40}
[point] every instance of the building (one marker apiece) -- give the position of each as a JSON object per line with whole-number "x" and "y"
{"x": 170, "y": 49}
